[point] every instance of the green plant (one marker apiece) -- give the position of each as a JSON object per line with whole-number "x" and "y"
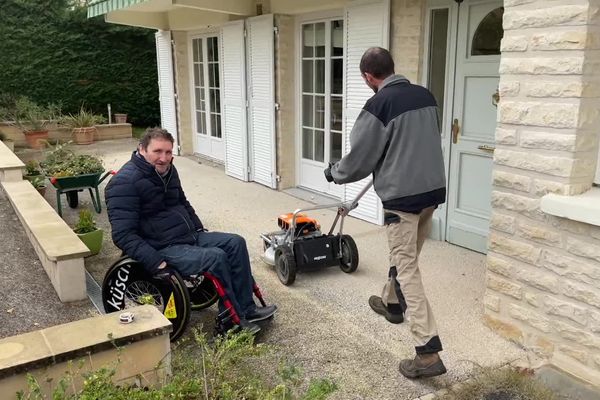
{"x": 32, "y": 167}
{"x": 82, "y": 119}
{"x": 38, "y": 182}
{"x": 86, "y": 222}
{"x": 31, "y": 117}
{"x": 2, "y": 136}
{"x": 61, "y": 161}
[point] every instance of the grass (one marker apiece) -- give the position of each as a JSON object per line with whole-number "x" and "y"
{"x": 500, "y": 384}
{"x": 138, "y": 131}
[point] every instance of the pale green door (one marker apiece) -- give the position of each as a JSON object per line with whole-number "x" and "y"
{"x": 473, "y": 123}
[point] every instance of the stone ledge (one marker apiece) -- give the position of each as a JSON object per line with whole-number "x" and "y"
{"x": 143, "y": 347}
{"x": 583, "y": 207}
{"x": 11, "y": 167}
{"x": 57, "y": 246}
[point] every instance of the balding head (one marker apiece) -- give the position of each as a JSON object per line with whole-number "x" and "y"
{"x": 378, "y": 62}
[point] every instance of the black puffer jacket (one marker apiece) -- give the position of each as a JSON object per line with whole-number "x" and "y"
{"x": 148, "y": 212}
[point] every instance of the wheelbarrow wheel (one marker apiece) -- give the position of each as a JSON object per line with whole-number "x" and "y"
{"x": 285, "y": 264}
{"x": 349, "y": 260}
{"x": 73, "y": 198}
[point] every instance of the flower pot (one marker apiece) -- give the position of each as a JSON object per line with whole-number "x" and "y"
{"x": 120, "y": 118}
{"x": 84, "y": 135}
{"x": 36, "y": 139}
{"x": 31, "y": 178}
{"x": 93, "y": 240}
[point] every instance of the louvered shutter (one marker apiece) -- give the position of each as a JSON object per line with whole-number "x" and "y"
{"x": 166, "y": 85}
{"x": 261, "y": 96}
{"x": 234, "y": 100}
{"x": 367, "y": 25}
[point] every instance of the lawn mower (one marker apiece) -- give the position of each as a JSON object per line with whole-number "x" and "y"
{"x": 300, "y": 245}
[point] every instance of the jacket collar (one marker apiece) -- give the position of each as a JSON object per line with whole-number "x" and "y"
{"x": 393, "y": 80}
{"x": 145, "y": 166}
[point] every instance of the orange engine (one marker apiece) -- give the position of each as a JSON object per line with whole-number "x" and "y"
{"x": 304, "y": 223}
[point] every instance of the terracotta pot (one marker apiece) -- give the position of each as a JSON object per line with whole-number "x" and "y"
{"x": 84, "y": 135}
{"x": 36, "y": 139}
{"x": 120, "y": 118}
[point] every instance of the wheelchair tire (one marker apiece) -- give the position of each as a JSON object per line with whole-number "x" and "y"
{"x": 127, "y": 284}
{"x": 285, "y": 265}
{"x": 202, "y": 293}
{"x": 349, "y": 260}
{"x": 73, "y": 198}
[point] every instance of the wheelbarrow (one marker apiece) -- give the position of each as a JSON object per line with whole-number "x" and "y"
{"x": 72, "y": 185}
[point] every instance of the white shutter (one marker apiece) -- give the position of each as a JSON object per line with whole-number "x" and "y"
{"x": 261, "y": 94}
{"x": 233, "y": 64}
{"x": 166, "y": 85}
{"x": 367, "y": 25}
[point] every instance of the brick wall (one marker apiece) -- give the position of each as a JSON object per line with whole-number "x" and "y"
{"x": 543, "y": 283}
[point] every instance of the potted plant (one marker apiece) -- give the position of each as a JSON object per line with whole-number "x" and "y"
{"x": 120, "y": 118}
{"x": 39, "y": 183}
{"x": 83, "y": 125}
{"x": 9, "y": 143}
{"x": 32, "y": 170}
{"x": 32, "y": 120}
{"x": 88, "y": 232}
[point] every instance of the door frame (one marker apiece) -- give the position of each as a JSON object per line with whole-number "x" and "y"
{"x": 203, "y": 34}
{"x": 313, "y": 17}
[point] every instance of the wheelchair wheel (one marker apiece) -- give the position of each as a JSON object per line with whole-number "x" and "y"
{"x": 73, "y": 198}
{"x": 202, "y": 292}
{"x": 349, "y": 260}
{"x": 285, "y": 264}
{"x": 127, "y": 284}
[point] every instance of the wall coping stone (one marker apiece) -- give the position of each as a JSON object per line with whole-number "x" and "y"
{"x": 583, "y": 207}
{"x": 8, "y": 159}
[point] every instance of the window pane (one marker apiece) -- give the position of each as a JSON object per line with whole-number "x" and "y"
{"x": 437, "y": 56}
{"x": 218, "y": 130}
{"x": 213, "y": 124}
{"x": 213, "y": 75}
{"x": 308, "y": 40}
{"x": 307, "y": 110}
{"x": 319, "y": 112}
{"x": 196, "y": 74}
{"x": 319, "y": 146}
{"x": 488, "y": 35}
{"x": 320, "y": 40}
{"x": 203, "y": 118}
{"x": 337, "y": 38}
{"x": 337, "y": 75}
{"x": 217, "y": 107}
{"x": 336, "y": 147}
{"x": 307, "y": 143}
{"x": 195, "y": 50}
{"x": 198, "y": 98}
{"x": 199, "y": 125}
{"x": 336, "y": 113}
{"x": 307, "y": 76}
{"x": 200, "y": 53}
{"x": 213, "y": 49}
{"x": 320, "y": 76}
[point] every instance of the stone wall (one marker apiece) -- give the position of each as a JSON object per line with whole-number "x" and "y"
{"x": 406, "y": 38}
{"x": 543, "y": 284}
{"x": 183, "y": 86}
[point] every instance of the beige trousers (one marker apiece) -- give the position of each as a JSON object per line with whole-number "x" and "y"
{"x": 405, "y": 240}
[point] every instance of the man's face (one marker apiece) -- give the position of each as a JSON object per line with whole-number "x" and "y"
{"x": 159, "y": 153}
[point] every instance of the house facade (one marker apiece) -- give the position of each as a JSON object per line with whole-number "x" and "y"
{"x": 271, "y": 90}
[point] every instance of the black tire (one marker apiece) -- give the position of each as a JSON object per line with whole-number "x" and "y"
{"x": 73, "y": 198}
{"x": 126, "y": 284}
{"x": 202, "y": 293}
{"x": 285, "y": 265}
{"x": 349, "y": 260}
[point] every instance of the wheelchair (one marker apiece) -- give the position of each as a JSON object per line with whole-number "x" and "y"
{"x": 127, "y": 284}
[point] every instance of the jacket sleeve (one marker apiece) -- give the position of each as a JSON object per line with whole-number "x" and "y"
{"x": 368, "y": 140}
{"x": 123, "y": 206}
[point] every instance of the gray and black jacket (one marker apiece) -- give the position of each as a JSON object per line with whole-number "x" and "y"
{"x": 396, "y": 137}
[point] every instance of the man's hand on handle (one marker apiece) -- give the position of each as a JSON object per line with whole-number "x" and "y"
{"x": 327, "y": 173}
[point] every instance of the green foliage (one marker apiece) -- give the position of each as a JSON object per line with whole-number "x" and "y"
{"x": 2, "y": 136}
{"x": 53, "y": 52}
{"x": 38, "y": 181}
{"x": 62, "y": 161}
{"x": 32, "y": 167}
{"x": 86, "y": 222}
{"x": 31, "y": 117}
{"x": 82, "y": 119}
{"x": 222, "y": 370}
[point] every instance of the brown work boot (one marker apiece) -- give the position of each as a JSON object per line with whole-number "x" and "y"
{"x": 377, "y": 305}
{"x": 422, "y": 366}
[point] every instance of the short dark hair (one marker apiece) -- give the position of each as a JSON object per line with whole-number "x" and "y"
{"x": 378, "y": 62}
{"x": 155, "y": 133}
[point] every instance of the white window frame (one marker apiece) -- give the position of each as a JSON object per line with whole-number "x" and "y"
{"x": 597, "y": 176}
{"x": 204, "y": 35}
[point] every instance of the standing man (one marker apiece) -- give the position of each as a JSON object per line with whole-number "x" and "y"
{"x": 396, "y": 138}
{"x": 153, "y": 222}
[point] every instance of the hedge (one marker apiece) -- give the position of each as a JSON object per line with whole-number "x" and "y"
{"x": 52, "y": 53}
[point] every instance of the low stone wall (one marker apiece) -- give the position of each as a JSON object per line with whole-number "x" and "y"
{"x": 139, "y": 352}
{"x": 55, "y": 132}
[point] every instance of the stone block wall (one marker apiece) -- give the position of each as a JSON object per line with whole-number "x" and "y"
{"x": 406, "y": 38}
{"x": 543, "y": 283}
{"x": 183, "y": 87}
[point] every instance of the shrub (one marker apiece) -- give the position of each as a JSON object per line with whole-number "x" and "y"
{"x": 62, "y": 161}
{"x": 82, "y": 119}
{"x": 32, "y": 167}
{"x": 31, "y": 117}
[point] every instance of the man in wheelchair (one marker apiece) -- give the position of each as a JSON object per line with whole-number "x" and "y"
{"x": 153, "y": 222}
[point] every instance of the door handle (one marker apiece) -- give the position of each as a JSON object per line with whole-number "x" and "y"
{"x": 487, "y": 148}
{"x": 455, "y": 131}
